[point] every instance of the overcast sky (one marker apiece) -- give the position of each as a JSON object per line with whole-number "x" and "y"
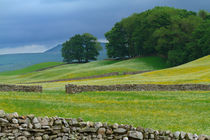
{"x": 36, "y": 25}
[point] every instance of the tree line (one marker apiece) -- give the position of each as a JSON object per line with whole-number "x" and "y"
{"x": 178, "y": 35}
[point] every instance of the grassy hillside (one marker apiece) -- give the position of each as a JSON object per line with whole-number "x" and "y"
{"x": 88, "y": 69}
{"x": 32, "y": 68}
{"x": 197, "y": 71}
{"x": 174, "y": 111}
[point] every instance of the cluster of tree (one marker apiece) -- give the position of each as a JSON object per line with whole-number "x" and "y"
{"x": 176, "y": 34}
{"x": 81, "y": 48}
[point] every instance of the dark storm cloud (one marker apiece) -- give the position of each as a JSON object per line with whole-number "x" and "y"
{"x": 46, "y": 22}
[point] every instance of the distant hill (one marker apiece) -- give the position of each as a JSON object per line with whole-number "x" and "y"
{"x": 10, "y": 62}
{"x": 56, "y": 49}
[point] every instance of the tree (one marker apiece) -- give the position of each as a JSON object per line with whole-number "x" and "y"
{"x": 81, "y": 48}
{"x": 203, "y": 14}
{"x": 201, "y": 39}
{"x": 73, "y": 49}
{"x": 90, "y": 47}
{"x": 117, "y": 46}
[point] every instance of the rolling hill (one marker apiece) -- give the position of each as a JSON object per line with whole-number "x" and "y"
{"x": 86, "y": 69}
{"x": 197, "y": 71}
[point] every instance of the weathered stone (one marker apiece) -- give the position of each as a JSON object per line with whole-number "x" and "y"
{"x": 35, "y": 120}
{"x": 46, "y": 137}
{"x": 115, "y": 126}
{"x": 56, "y": 127}
{"x": 164, "y": 138}
{"x": 74, "y": 122}
{"x": 98, "y": 124}
{"x": 53, "y": 137}
{"x": 90, "y": 124}
{"x": 4, "y": 120}
{"x": 109, "y": 131}
{"x": 141, "y": 129}
{"x": 101, "y": 131}
{"x": 89, "y": 130}
{"x": 64, "y": 138}
{"x": 99, "y": 136}
{"x": 120, "y": 131}
{"x": 58, "y": 122}
{"x": 135, "y": 135}
{"x": 202, "y": 137}
{"x": 26, "y": 133}
{"x": 182, "y": 135}
{"x": 37, "y": 126}
{"x": 22, "y": 138}
{"x": 44, "y": 122}
{"x": 125, "y": 138}
{"x": 177, "y": 134}
{"x": 38, "y": 138}
{"x": 11, "y": 137}
{"x": 189, "y": 136}
{"x": 15, "y": 121}
{"x": 2, "y": 113}
{"x": 31, "y": 116}
{"x": 21, "y": 121}
{"x": 65, "y": 129}
{"x": 30, "y": 125}
{"x": 65, "y": 123}
{"x": 151, "y": 136}
{"x": 24, "y": 125}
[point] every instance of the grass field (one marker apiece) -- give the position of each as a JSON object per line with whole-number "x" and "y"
{"x": 174, "y": 111}
{"x": 187, "y": 111}
{"x": 32, "y": 68}
{"x": 197, "y": 71}
{"x": 87, "y": 69}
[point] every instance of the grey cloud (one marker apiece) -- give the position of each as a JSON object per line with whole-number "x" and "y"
{"x": 29, "y": 22}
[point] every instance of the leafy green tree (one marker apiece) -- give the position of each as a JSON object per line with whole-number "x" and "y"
{"x": 73, "y": 49}
{"x": 203, "y": 14}
{"x": 81, "y": 48}
{"x": 117, "y": 46}
{"x": 200, "y": 44}
{"x": 90, "y": 47}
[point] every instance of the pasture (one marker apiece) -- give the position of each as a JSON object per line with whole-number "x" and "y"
{"x": 162, "y": 110}
{"x": 174, "y": 111}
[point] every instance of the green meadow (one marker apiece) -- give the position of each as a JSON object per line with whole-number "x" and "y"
{"x": 32, "y": 68}
{"x": 195, "y": 72}
{"x": 86, "y": 69}
{"x": 187, "y": 111}
{"x": 174, "y": 111}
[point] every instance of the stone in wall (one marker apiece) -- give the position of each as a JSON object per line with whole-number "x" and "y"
{"x": 15, "y": 127}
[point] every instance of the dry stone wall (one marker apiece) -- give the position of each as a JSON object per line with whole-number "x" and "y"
{"x": 20, "y": 88}
{"x": 15, "y": 127}
{"x": 135, "y": 87}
